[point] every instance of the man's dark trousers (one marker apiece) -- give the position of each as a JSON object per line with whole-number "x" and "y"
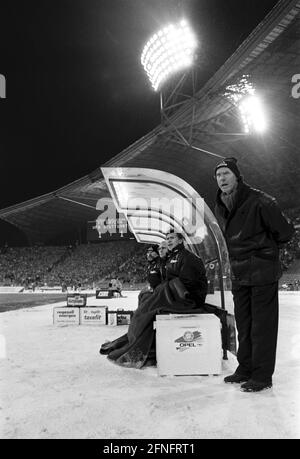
{"x": 256, "y": 314}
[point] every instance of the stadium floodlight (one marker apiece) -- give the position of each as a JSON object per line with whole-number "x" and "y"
{"x": 168, "y": 51}
{"x": 253, "y": 115}
{"x": 243, "y": 95}
{"x": 243, "y": 87}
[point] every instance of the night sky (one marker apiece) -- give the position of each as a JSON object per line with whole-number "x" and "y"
{"x": 76, "y": 92}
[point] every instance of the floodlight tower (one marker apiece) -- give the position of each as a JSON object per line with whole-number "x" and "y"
{"x": 168, "y": 59}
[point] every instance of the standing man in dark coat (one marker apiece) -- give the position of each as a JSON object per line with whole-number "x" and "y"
{"x": 255, "y": 230}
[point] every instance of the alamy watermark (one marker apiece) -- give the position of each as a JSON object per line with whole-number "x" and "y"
{"x": 152, "y": 214}
{"x": 296, "y": 87}
{"x": 2, "y": 87}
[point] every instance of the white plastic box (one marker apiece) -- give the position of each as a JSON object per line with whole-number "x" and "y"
{"x": 112, "y": 318}
{"x": 119, "y": 317}
{"x": 188, "y": 344}
{"x": 66, "y": 316}
{"x": 96, "y": 315}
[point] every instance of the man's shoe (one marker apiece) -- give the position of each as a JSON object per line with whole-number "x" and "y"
{"x": 255, "y": 386}
{"x": 106, "y": 348}
{"x": 104, "y": 351}
{"x": 236, "y": 379}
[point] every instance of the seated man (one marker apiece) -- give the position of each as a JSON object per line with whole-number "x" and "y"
{"x": 114, "y": 287}
{"x": 154, "y": 274}
{"x": 183, "y": 291}
{"x": 163, "y": 254}
{"x": 154, "y": 277}
{"x": 186, "y": 267}
{"x": 110, "y": 289}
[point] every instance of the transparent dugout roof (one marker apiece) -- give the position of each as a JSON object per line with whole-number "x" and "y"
{"x": 153, "y": 201}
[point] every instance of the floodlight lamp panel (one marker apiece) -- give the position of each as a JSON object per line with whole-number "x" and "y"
{"x": 168, "y": 51}
{"x": 253, "y": 115}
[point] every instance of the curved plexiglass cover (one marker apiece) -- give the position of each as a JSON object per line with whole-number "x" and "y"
{"x": 153, "y": 201}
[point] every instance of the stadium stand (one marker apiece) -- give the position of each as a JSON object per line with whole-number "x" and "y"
{"x": 77, "y": 266}
{"x": 88, "y": 266}
{"x": 291, "y": 278}
{"x": 92, "y": 264}
{"x": 27, "y": 265}
{"x": 290, "y": 255}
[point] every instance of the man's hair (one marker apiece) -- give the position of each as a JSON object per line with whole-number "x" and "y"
{"x": 172, "y": 231}
{"x": 153, "y": 248}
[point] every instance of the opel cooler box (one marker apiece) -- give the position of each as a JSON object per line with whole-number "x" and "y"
{"x": 188, "y": 344}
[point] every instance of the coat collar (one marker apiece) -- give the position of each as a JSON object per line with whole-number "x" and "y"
{"x": 242, "y": 193}
{"x": 153, "y": 263}
{"x": 178, "y": 249}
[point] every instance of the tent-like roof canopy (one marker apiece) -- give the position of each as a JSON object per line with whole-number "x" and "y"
{"x": 204, "y": 129}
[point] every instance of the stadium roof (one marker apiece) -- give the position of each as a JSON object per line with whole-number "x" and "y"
{"x": 205, "y": 128}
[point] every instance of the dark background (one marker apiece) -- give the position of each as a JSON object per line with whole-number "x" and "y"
{"x": 76, "y": 91}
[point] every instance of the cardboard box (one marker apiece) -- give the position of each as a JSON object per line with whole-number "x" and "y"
{"x": 188, "y": 344}
{"x": 96, "y": 315}
{"x": 65, "y": 316}
{"x": 124, "y": 317}
{"x": 112, "y": 318}
{"x": 76, "y": 299}
{"x": 119, "y": 317}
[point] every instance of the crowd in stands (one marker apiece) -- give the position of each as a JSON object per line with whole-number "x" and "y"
{"x": 78, "y": 266}
{"x": 290, "y": 256}
{"x": 294, "y": 215}
{"x": 27, "y": 266}
{"x": 291, "y": 251}
{"x": 290, "y": 284}
{"x": 90, "y": 264}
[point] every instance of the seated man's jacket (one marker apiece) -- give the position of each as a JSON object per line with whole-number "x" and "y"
{"x": 190, "y": 270}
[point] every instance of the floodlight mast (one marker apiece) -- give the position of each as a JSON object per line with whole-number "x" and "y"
{"x": 168, "y": 59}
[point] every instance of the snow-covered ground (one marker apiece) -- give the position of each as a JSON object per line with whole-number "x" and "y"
{"x": 54, "y": 384}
